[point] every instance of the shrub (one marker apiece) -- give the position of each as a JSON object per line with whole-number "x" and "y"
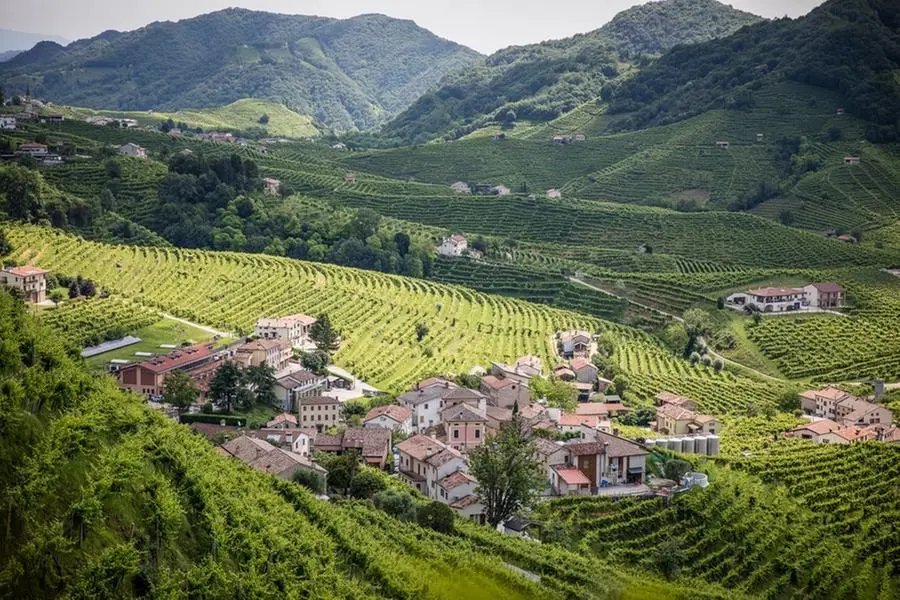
{"x": 312, "y": 480}
{"x": 437, "y": 516}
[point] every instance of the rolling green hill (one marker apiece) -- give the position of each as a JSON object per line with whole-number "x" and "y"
{"x": 541, "y": 81}
{"x": 344, "y": 74}
{"x": 105, "y": 498}
{"x": 848, "y": 46}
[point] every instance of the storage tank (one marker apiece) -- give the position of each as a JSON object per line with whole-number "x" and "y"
{"x": 712, "y": 445}
{"x": 687, "y": 445}
{"x": 650, "y": 443}
{"x": 700, "y": 444}
{"x": 676, "y": 444}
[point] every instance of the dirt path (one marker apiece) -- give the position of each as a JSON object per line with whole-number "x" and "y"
{"x": 222, "y": 334}
{"x": 638, "y": 304}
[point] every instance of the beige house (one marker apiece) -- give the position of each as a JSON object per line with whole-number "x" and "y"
{"x": 824, "y": 431}
{"x": 824, "y": 295}
{"x": 585, "y": 371}
{"x": 672, "y": 419}
{"x": 262, "y": 456}
{"x": 292, "y": 328}
{"x": 455, "y": 245}
{"x": 574, "y": 343}
{"x": 391, "y": 416}
{"x": 320, "y": 412}
{"x": 844, "y": 408}
{"x": 273, "y": 353}
{"x": 293, "y": 386}
{"x": 424, "y": 461}
{"x": 465, "y": 426}
{"x": 670, "y": 398}
{"x": 30, "y": 280}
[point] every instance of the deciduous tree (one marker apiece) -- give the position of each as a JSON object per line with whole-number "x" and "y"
{"x": 180, "y": 390}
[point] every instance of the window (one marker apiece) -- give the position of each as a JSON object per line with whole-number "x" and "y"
{"x": 455, "y": 434}
{"x": 426, "y": 407}
{"x": 477, "y": 434}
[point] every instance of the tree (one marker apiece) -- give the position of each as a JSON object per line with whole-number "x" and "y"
{"x": 621, "y": 383}
{"x": 74, "y": 290}
{"x": 5, "y": 246}
{"x": 180, "y": 390}
{"x": 22, "y": 187}
{"x": 364, "y": 224}
{"x": 224, "y": 386}
{"x": 402, "y": 241}
{"x": 366, "y": 483}
{"x": 558, "y": 393}
{"x": 675, "y": 469}
{"x": 400, "y": 505}
{"x": 262, "y": 379}
{"x": 311, "y": 480}
{"x": 324, "y": 335}
{"x": 264, "y": 120}
{"x": 675, "y": 338}
{"x": 354, "y": 408}
{"x": 437, "y": 516}
{"x": 421, "y": 331}
{"x": 667, "y": 558}
{"x": 789, "y": 400}
{"x": 720, "y": 302}
{"x": 718, "y": 365}
{"x": 88, "y": 289}
{"x": 341, "y": 470}
{"x": 56, "y": 296}
{"x": 786, "y": 217}
{"x": 315, "y": 361}
{"x": 509, "y": 474}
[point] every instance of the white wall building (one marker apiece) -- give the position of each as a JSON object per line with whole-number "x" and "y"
{"x": 293, "y": 328}
{"x": 455, "y": 245}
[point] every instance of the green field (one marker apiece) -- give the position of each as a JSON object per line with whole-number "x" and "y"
{"x": 242, "y": 114}
{"x": 164, "y": 331}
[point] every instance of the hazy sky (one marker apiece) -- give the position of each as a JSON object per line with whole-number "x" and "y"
{"x": 485, "y": 25}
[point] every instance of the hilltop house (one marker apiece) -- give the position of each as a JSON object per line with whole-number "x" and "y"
{"x": 455, "y": 245}
{"x": 770, "y": 299}
{"x": 292, "y": 328}
{"x": 824, "y": 295}
{"x": 320, "y": 412}
{"x": 32, "y": 148}
{"x": 272, "y": 186}
{"x": 272, "y": 353}
{"x": 28, "y": 279}
{"x": 132, "y": 150}
{"x": 391, "y": 416}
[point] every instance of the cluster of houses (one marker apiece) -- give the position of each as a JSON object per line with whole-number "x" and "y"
{"x": 813, "y": 297}
{"x": 840, "y": 417}
{"x": 101, "y": 121}
{"x": 38, "y": 151}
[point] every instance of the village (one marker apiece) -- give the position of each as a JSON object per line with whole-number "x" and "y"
{"x": 425, "y": 435}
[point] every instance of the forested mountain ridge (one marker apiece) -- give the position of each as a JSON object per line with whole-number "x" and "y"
{"x": 352, "y": 73}
{"x": 848, "y": 46}
{"x": 541, "y": 81}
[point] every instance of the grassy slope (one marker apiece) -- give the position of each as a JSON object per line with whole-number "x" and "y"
{"x": 241, "y": 114}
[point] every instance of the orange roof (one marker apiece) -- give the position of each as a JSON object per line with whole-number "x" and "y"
{"x": 25, "y": 271}
{"x": 819, "y": 427}
{"x": 571, "y": 420}
{"x": 579, "y": 363}
{"x": 592, "y": 408}
{"x": 854, "y": 434}
{"x": 177, "y": 358}
{"x": 572, "y": 476}
{"x": 497, "y": 383}
{"x": 392, "y": 411}
{"x": 773, "y": 291}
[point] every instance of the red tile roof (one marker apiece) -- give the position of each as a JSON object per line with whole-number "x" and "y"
{"x": 454, "y": 480}
{"x": 177, "y": 358}
{"x": 572, "y": 476}
{"x": 497, "y": 383}
{"x": 25, "y": 271}
{"x": 819, "y": 427}
{"x": 828, "y": 287}
{"x": 769, "y": 292}
{"x": 392, "y": 411}
{"x": 597, "y": 409}
{"x": 579, "y": 363}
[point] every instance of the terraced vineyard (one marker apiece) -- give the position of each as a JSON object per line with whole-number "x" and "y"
{"x": 852, "y": 490}
{"x": 738, "y": 533}
{"x": 531, "y": 285}
{"x": 705, "y": 236}
{"x": 376, "y": 313}
{"x": 864, "y": 344}
{"x": 87, "y": 322}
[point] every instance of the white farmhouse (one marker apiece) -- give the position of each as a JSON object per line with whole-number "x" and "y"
{"x": 293, "y": 328}
{"x": 133, "y": 150}
{"x": 455, "y": 245}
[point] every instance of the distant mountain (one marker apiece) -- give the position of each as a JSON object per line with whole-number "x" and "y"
{"x": 19, "y": 40}
{"x": 848, "y": 46}
{"x": 5, "y": 56}
{"x": 541, "y": 81}
{"x": 345, "y": 73}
